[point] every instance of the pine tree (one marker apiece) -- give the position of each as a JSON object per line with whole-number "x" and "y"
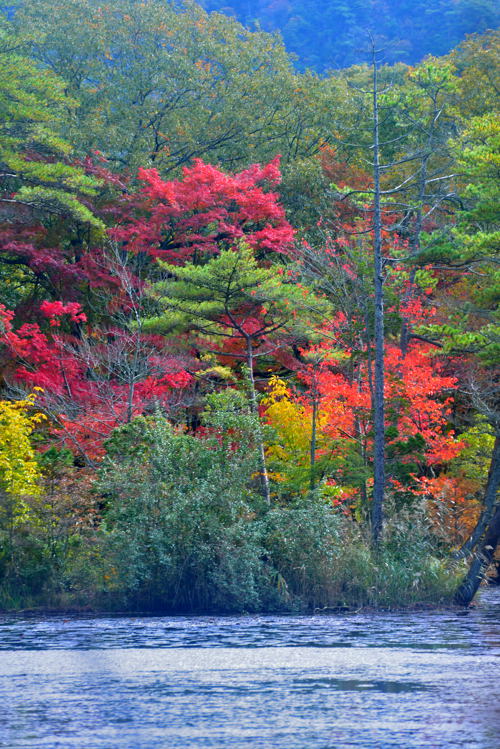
{"x": 232, "y": 298}
{"x": 36, "y": 174}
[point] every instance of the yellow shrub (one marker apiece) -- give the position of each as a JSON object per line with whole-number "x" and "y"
{"x": 19, "y": 472}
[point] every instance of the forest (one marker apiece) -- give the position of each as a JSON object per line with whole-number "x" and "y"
{"x": 327, "y": 34}
{"x": 249, "y": 331}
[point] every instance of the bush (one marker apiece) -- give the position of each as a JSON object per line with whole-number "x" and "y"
{"x": 302, "y": 543}
{"x": 179, "y": 529}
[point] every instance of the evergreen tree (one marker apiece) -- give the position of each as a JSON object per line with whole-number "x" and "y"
{"x": 36, "y": 174}
{"x": 232, "y": 298}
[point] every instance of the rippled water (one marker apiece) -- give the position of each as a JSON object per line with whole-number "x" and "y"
{"x": 410, "y": 680}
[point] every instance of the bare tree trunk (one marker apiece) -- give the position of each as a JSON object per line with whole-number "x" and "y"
{"x": 312, "y": 479}
{"x": 486, "y": 534}
{"x": 378, "y": 401}
{"x": 264, "y": 477}
{"x": 130, "y": 401}
{"x": 489, "y": 502}
{"x": 480, "y": 562}
{"x": 414, "y": 250}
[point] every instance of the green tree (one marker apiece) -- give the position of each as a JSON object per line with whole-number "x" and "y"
{"x": 162, "y": 84}
{"x": 36, "y": 175}
{"x": 469, "y": 249}
{"x": 231, "y": 297}
{"x": 470, "y": 327}
{"x": 477, "y": 63}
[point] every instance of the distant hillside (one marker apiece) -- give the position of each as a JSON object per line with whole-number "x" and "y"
{"x": 332, "y": 33}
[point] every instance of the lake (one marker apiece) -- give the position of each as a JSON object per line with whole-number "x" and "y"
{"x": 372, "y": 680}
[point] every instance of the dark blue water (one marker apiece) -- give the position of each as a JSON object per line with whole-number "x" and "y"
{"x": 409, "y": 680}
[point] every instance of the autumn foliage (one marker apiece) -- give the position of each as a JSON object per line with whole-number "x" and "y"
{"x": 88, "y": 382}
{"x": 205, "y": 211}
{"x": 95, "y": 377}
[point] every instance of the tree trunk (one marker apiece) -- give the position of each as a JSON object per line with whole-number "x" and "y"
{"x": 488, "y": 530}
{"x": 414, "y": 250}
{"x": 378, "y": 401}
{"x": 489, "y": 502}
{"x": 312, "y": 479}
{"x": 480, "y": 562}
{"x": 130, "y": 401}
{"x": 254, "y": 406}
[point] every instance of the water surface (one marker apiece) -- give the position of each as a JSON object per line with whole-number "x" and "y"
{"x": 409, "y": 680}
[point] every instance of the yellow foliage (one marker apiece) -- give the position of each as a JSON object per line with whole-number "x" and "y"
{"x": 290, "y": 422}
{"x": 289, "y": 453}
{"x": 19, "y": 471}
{"x": 215, "y": 369}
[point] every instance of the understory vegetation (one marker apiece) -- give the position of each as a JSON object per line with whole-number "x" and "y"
{"x": 170, "y": 527}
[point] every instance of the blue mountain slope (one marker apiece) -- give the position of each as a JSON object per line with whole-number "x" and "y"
{"x": 333, "y": 33}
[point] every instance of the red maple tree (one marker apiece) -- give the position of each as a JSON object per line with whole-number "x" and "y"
{"x": 205, "y": 211}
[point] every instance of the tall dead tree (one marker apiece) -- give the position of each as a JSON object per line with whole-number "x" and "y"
{"x": 378, "y": 277}
{"x": 406, "y": 131}
{"x": 406, "y": 205}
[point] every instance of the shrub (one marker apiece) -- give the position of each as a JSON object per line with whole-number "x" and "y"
{"x": 179, "y": 530}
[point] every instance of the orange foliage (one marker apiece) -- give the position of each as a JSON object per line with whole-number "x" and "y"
{"x": 452, "y": 505}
